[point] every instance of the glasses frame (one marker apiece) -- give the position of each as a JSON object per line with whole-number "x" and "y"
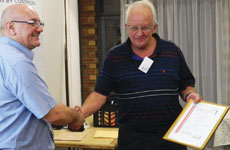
{"x": 142, "y": 28}
{"x": 31, "y": 22}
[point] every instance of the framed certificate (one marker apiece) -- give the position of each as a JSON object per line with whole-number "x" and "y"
{"x": 196, "y": 124}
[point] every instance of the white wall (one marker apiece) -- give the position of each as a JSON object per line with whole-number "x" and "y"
{"x": 53, "y": 47}
{"x": 49, "y": 57}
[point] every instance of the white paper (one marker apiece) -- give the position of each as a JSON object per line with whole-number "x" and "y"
{"x": 70, "y": 136}
{"x": 196, "y": 123}
{"x": 146, "y": 64}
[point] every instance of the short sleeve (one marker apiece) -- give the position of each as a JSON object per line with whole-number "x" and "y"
{"x": 29, "y": 88}
{"x": 186, "y": 77}
{"x": 105, "y": 81}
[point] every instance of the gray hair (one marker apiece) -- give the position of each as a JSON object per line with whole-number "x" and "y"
{"x": 145, "y": 3}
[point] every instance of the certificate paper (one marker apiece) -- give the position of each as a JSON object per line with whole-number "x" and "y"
{"x": 196, "y": 124}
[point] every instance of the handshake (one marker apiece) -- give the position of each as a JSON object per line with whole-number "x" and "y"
{"x": 78, "y": 122}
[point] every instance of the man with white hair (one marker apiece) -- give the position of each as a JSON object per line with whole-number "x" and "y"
{"x": 148, "y": 74}
{"x": 26, "y": 106}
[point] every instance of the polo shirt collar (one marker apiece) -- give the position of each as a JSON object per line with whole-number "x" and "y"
{"x": 155, "y": 53}
{"x": 27, "y": 52}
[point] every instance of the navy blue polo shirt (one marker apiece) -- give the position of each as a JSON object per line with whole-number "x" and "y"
{"x": 145, "y": 101}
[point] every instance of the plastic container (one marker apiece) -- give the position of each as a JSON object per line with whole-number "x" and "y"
{"x": 106, "y": 116}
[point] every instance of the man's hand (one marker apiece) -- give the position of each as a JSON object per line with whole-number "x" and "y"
{"x": 77, "y": 124}
{"x": 195, "y": 96}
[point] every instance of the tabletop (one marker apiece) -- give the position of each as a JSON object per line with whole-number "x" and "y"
{"x": 89, "y": 141}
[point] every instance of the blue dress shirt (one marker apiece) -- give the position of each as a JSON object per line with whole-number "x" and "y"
{"x": 24, "y": 101}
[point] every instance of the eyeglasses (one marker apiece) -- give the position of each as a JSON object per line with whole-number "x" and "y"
{"x": 142, "y": 28}
{"x": 31, "y": 22}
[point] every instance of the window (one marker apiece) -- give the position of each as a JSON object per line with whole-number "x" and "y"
{"x": 109, "y": 26}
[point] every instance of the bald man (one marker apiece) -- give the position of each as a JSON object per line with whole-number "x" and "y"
{"x": 27, "y": 109}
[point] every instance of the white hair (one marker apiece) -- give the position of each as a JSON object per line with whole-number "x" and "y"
{"x": 145, "y": 3}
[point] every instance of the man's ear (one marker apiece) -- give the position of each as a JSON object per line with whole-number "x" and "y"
{"x": 10, "y": 28}
{"x": 154, "y": 28}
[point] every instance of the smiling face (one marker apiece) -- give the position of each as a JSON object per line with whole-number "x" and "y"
{"x": 26, "y": 34}
{"x": 140, "y": 27}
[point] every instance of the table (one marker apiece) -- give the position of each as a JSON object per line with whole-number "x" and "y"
{"x": 89, "y": 141}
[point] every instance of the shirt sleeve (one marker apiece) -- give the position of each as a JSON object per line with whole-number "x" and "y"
{"x": 105, "y": 81}
{"x": 29, "y": 88}
{"x": 186, "y": 77}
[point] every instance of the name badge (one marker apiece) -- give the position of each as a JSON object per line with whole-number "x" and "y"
{"x": 146, "y": 64}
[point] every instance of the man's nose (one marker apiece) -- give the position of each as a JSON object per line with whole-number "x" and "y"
{"x": 140, "y": 31}
{"x": 40, "y": 28}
